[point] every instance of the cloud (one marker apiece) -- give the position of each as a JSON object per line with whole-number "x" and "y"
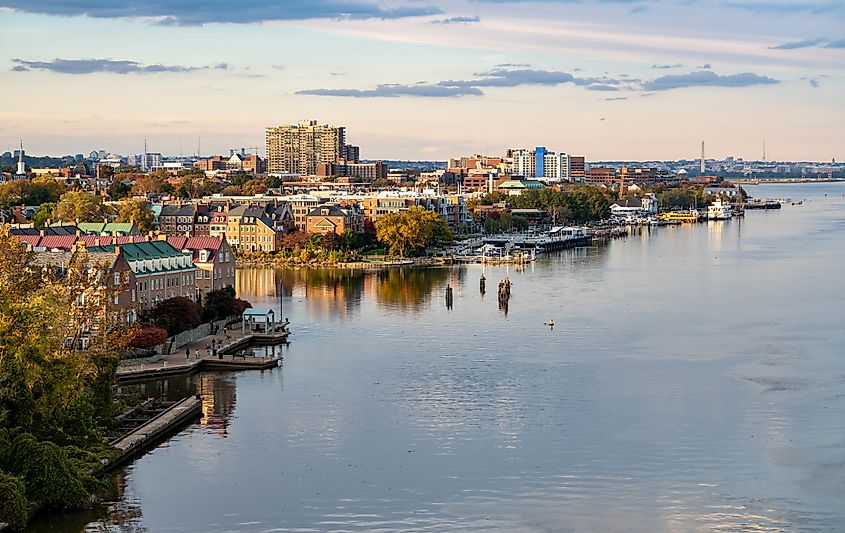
{"x": 508, "y": 78}
{"x": 458, "y": 20}
{"x": 786, "y": 8}
{"x": 278, "y": 67}
{"x": 392, "y": 90}
{"x": 705, "y": 66}
{"x": 191, "y": 12}
{"x": 616, "y": 99}
{"x": 676, "y": 65}
{"x": 814, "y": 84}
{"x": 804, "y": 43}
{"x": 91, "y": 66}
{"x": 706, "y": 78}
{"x": 513, "y": 65}
{"x": 837, "y": 43}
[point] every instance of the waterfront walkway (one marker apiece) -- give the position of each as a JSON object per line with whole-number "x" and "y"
{"x": 226, "y": 350}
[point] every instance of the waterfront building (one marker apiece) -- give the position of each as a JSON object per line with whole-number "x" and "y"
{"x": 213, "y": 259}
{"x": 161, "y": 271}
{"x": 333, "y": 218}
{"x": 118, "y": 278}
{"x": 299, "y": 148}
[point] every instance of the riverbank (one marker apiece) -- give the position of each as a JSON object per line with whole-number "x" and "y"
{"x": 269, "y": 262}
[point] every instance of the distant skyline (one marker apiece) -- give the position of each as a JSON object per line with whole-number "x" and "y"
{"x": 429, "y": 79}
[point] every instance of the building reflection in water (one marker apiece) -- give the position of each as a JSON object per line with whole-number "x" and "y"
{"x": 218, "y": 400}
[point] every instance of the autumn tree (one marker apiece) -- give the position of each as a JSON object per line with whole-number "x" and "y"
{"x": 137, "y": 211}
{"x": 177, "y": 314}
{"x": 55, "y": 397}
{"x": 81, "y": 206}
{"x": 39, "y": 191}
{"x": 153, "y": 183}
{"x": 412, "y": 231}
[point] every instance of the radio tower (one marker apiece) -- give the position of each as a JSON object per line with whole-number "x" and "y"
{"x": 703, "y": 170}
{"x": 764, "y": 150}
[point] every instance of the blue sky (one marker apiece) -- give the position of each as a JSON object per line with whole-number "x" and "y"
{"x": 429, "y": 79}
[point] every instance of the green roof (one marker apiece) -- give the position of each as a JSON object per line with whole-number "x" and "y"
{"x": 137, "y": 251}
{"x": 521, "y": 184}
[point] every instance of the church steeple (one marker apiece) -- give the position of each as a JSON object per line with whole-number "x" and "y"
{"x": 21, "y": 164}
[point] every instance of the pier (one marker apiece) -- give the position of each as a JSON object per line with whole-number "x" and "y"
{"x": 154, "y": 430}
{"x": 224, "y": 350}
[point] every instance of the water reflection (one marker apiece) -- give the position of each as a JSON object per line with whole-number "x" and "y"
{"x": 408, "y": 289}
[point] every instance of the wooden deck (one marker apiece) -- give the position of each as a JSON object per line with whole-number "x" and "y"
{"x": 155, "y": 430}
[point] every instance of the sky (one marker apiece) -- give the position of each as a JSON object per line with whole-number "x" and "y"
{"x": 428, "y": 79}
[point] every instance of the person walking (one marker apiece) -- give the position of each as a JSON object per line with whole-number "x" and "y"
{"x": 187, "y": 353}
{"x": 197, "y": 355}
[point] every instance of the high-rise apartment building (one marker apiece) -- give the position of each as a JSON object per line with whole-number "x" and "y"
{"x": 541, "y": 164}
{"x": 299, "y": 148}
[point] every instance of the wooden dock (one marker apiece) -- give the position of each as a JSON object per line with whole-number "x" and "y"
{"x": 154, "y": 430}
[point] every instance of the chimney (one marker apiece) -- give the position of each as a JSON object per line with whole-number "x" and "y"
{"x": 78, "y": 232}
{"x": 162, "y": 237}
{"x": 96, "y": 241}
{"x": 118, "y": 250}
{"x": 41, "y": 232}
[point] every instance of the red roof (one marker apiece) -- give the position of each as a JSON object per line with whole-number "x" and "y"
{"x": 58, "y": 242}
{"x": 195, "y": 244}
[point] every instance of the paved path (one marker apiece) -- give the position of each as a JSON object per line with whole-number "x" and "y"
{"x": 197, "y": 351}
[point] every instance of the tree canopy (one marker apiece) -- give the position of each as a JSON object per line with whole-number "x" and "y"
{"x": 137, "y": 211}
{"x": 411, "y": 232}
{"x": 81, "y": 206}
{"x": 55, "y": 398}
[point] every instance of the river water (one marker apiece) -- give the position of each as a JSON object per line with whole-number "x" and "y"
{"x": 694, "y": 381}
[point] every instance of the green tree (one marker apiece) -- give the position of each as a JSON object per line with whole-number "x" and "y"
{"x": 36, "y": 192}
{"x": 412, "y": 231}
{"x": 219, "y": 304}
{"x": 137, "y": 211}
{"x": 119, "y": 190}
{"x": 55, "y": 398}
{"x": 81, "y": 206}
{"x": 43, "y": 214}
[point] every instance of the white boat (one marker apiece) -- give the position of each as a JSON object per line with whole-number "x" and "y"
{"x": 719, "y": 210}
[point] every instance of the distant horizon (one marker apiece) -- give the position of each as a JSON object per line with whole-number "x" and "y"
{"x": 421, "y": 79}
{"x": 166, "y": 155}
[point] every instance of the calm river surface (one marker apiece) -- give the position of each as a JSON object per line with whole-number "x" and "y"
{"x": 694, "y": 381}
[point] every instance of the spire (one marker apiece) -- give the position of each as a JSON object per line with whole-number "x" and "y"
{"x": 21, "y": 164}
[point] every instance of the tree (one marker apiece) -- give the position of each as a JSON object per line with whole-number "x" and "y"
{"x": 55, "y": 397}
{"x": 137, "y": 211}
{"x": 148, "y": 336}
{"x": 81, "y": 206}
{"x": 177, "y": 314}
{"x": 119, "y": 189}
{"x": 43, "y": 214}
{"x": 219, "y": 304}
{"x": 36, "y": 192}
{"x": 153, "y": 183}
{"x": 231, "y": 190}
{"x": 411, "y": 231}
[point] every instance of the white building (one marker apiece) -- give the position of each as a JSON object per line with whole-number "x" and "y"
{"x": 541, "y": 164}
{"x": 150, "y": 160}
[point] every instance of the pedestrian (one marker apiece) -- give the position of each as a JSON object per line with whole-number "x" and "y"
{"x": 187, "y": 353}
{"x": 197, "y": 355}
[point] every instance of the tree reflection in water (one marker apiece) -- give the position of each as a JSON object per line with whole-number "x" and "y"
{"x": 407, "y": 289}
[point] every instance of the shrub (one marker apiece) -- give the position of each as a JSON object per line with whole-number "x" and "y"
{"x": 240, "y": 306}
{"x": 14, "y": 507}
{"x": 148, "y": 336}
